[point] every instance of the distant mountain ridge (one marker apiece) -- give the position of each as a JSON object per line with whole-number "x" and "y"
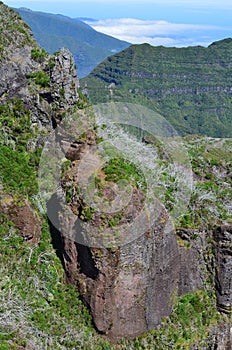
{"x": 191, "y": 87}
{"x": 88, "y": 46}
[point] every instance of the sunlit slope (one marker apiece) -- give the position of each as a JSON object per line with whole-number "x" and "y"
{"x": 191, "y": 87}
{"x": 88, "y": 46}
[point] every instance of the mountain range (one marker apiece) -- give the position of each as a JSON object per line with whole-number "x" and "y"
{"x": 88, "y": 46}
{"x": 191, "y": 87}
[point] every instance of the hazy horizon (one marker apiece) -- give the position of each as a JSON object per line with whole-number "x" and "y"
{"x": 167, "y": 22}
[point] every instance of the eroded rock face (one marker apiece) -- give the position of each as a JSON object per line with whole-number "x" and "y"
{"x": 220, "y": 337}
{"x": 130, "y": 288}
{"x": 64, "y": 78}
{"x": 24, "y": 217}
{"x": 223, "y": 239}
{"x": 21, "y": 59}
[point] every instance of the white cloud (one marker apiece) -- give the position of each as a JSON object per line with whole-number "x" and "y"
{"x": 127, "y": 25}
{"x": 156, "y": 32}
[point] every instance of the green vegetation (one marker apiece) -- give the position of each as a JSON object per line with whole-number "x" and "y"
{"x": 119, "y": 169}
{"x": 17, "y": 166}
{"x": 88, "y": 47}
{"x": 192, "y": 311}
{"x": 38, "y": 310}
{"x": 41, "y": 78}
{"x": 16, "y": 172}
{"x": 51, "y": 62}
{"x": 15, "y": 126}
{"x": 83, "y": 101}
{"x": 10, "y": 24}
{"x": 38, "y": 54}
{"x": 212, "y": 193}
{"x": 190, "y": 86}
{"x": 86, "y": 213}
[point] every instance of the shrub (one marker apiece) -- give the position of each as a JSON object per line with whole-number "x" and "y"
{"x": 40, "y": 78}
{"x": 38, "y": 55}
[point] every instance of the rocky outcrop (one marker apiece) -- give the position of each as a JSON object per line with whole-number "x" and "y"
{"x": 44, "y": 87}
{"x": 16, "y": 42}
{"x": 223, "y": 247}
{"x": 64, "y": 80}
{"x": 130, "y": 288}
{"x": 24, "y": 217}
{"x": 208, "y": 262}
{"x": 220, "y": 337}
{"x": 46, "y": 84}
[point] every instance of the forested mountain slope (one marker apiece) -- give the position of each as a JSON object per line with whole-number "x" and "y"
{"x": 191, "y": 87}
{"x": 88, "y": 46}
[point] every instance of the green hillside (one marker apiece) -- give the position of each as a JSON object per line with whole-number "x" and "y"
{"x": 88, "y": 46}
{"x": 191, "y": 87}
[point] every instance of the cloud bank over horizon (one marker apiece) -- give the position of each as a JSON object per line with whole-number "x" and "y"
{"x": 160, "y": 32}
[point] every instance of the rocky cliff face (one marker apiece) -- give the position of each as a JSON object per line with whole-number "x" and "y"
{"x": 46, "y": 84}
{"x": 223, "y": 242}
{"x": 36, "y": 90}
{"x": 23, "y": 215}
{"x": 130, "y": 288}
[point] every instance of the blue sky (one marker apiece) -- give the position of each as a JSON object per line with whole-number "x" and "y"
{"x": 194, "y": 11}
{"x": 171, "y": 23}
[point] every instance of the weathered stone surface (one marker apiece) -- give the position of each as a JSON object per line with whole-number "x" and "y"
{"x": 192, "y": 255}
{"x": 220, "y": 337}
{"x": 24, "y": 217}
{"x": 130, "y": 288}
{"x": 17, "y": 65}
{"x": 223, "y": 239}
{"x": 64, "y": 79}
